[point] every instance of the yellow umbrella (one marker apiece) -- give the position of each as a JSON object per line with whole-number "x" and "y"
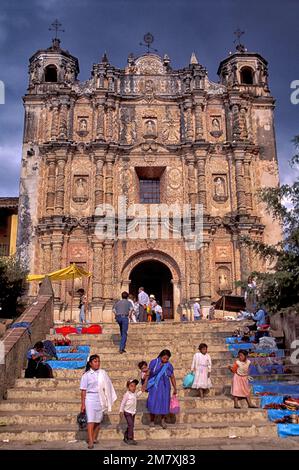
{"x": 71, "y": 272}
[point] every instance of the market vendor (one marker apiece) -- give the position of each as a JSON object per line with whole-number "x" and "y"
{"x": 37, "y": 367}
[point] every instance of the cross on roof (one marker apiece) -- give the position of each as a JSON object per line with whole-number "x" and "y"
{"x": 238, "y": 33}
{"x": 55, "y": 26}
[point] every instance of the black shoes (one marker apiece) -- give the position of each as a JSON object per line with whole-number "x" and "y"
{"x": 122, "y": 351}
{"x": 130, "y": 442}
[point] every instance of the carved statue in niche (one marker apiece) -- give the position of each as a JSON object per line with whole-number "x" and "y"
{"x": 150, "y": 129}
{"x": 128, "y": 133}
{"x": 80, "y": 193}
{"x": 219, "y": 189}
{"x": 147, "y": 88}
{"x": 35, "y": 72}
{"x": 83, "y": 127}
{"x": 69, "y": 74}
{"x": 216, "y": 127}
{"x": 224, "y": 284}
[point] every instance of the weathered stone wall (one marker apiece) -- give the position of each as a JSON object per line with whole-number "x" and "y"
{"x": 17, "y": 341}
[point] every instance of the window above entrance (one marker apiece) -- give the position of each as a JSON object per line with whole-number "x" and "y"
{"x": 150, "y": 184}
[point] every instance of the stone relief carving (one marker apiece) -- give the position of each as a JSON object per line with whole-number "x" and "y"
{"x": 128, "y": 133}
{"x": 219, "y": 188}
{"x": 150, "y": 128}
{"x": 80, "y": 189}
{"x": 171, "y": 127}
{"x": 223, "y": 279}
{"x": 216, "y": 127}
{"x": 149, "y": 65}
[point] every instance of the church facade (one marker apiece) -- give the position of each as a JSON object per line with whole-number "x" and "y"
{"x": 153, "y": 135}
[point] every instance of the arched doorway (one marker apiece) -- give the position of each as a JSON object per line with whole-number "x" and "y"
{"x": 156, "y": 278}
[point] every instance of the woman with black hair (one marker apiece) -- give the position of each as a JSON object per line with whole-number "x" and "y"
{"x": 37, "y": 367}
{"x": 157, "y": 384}
{"x": 97, "y": 397}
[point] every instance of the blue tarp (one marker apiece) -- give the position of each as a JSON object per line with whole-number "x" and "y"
{"x": 279, "y": 414}
{"x": 263, "y": 370}
{"x": 285, "y": 430}
{"x": 73, "y": 356}
{"x": 67, "y": 349}
{"x": 284, "y": 388}
{"x": 278, "y": 352}
{"x": 67, "y": 364}
{"x": 235, "y": 340}
{"x": 233, "y": 347}
{"x": 268, "y": 399}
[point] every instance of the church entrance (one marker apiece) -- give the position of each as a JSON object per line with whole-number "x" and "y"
{"x": 156, "y": 278}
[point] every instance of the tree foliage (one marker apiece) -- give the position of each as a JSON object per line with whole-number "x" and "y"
{"x": 279, "y": 288}
{"x": 12, "y": 286}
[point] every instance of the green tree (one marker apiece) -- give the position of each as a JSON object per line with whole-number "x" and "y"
{"x": 279, "y": 288}
{"x": 12, "y": 286}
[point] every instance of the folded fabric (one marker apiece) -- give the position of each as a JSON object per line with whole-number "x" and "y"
{"x": 22, "y": 324}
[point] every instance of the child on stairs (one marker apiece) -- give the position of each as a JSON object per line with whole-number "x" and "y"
{"x": 240, "y": 385}
{"x": 128, "y": 409}
{"x": 201, "y": 367}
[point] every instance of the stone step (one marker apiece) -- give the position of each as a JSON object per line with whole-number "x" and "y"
{"x": 68, "y": 392}
{"x": 49, "y": 418}
{"x": 69, "y": 405}
{"x": 142, "y": 432}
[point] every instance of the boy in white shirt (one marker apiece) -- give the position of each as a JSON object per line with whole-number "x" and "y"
{"x": 128, "y": 409}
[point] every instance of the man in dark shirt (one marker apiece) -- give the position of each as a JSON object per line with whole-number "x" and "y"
{"x": 122, "y": 309}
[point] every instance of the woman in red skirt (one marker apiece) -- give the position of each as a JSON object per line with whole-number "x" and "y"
{"x": 240, "y": 385}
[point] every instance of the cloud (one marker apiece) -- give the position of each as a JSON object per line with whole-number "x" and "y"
{"x": 10, "y": 157}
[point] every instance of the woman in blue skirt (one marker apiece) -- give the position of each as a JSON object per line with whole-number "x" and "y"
{"x": 158, "y": 386}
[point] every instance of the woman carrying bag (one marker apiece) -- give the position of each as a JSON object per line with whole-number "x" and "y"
{"x": 97, "y": 397}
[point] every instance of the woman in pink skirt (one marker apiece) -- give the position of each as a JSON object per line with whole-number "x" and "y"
{"x": 240, "y": 385}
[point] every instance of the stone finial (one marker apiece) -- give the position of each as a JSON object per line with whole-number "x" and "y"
{"x": 193, "y": 59}
{"x": 105, "y": 59}
{"x": 166, "y": 59}
{"x": 46, "y": 287}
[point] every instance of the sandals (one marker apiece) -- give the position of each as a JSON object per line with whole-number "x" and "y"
{"x": 237, "y": 407}
{"x": 90, "y": 446}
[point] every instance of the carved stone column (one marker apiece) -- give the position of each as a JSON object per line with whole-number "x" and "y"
{"x": 244, "y": 262}
{"x": 46, "y": 256}
{"x": 191, "y": 181}
{"x": 59, "y": 203}
{"x": 201, "y": 180}
{"x": 189, "y": 121}
{"x": 100, "y": 130}
{"x": 241, "y": 199}
{"x": 236, "y": 131}
{"x": 57, "y": 244}
{"x": 97, "y": 277}
{"x": 54, "y": 123}
{"x": 205, "y": 279}
{"x": 109, "y": 120}
{"x": 99, "y": 183}
{"x": 108, "y": 270}
{"x": 50, "y": 201}
{"x": 109, "y": 179}
{"x": 247, "y": 184}
{"x": 63, "y": 121}
{"x": 198, "y": 121}
{"x": 194, "y": 272}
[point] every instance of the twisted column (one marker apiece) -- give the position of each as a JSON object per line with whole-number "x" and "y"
{"x": 50, "y": 200}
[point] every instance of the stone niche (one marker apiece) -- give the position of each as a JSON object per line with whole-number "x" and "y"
{"x": 223, "y": 278}
{"x": 219, "y": 188}
{"x": 80, "y": 188}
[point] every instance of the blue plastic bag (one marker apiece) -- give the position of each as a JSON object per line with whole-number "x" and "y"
{"x": 188, "y": 380}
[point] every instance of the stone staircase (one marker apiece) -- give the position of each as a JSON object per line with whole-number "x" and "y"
{"x": 46, "y": 409}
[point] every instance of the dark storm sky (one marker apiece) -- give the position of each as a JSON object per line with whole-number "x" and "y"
{"x": 117, "y": 26}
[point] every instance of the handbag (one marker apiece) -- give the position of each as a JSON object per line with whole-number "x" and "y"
{"x": 82, "y": 420}
{"x": 188, "y": 380}
{"x": 174, "y": 405}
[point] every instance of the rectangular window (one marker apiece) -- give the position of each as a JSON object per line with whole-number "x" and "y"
{"x": 149, "y": 191}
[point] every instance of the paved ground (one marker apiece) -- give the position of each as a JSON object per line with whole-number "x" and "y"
{"x": 254, "y": 443}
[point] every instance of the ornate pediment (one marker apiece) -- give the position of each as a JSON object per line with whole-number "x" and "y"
{"x": 149, "y": 64}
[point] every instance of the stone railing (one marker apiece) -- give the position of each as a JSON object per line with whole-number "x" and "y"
{"x": 16, "y": 341}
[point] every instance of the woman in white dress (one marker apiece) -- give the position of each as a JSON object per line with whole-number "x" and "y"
{"x": 97, "y": 397}
{"x": 201, "y": 367}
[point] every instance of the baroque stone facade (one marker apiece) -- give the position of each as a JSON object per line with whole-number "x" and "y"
{"x": 87, "y": 143}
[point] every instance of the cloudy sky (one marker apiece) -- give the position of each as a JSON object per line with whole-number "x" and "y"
{"x": 118, "y": 26}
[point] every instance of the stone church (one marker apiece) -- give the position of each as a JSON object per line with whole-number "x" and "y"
{"x": 155, "y": 135}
